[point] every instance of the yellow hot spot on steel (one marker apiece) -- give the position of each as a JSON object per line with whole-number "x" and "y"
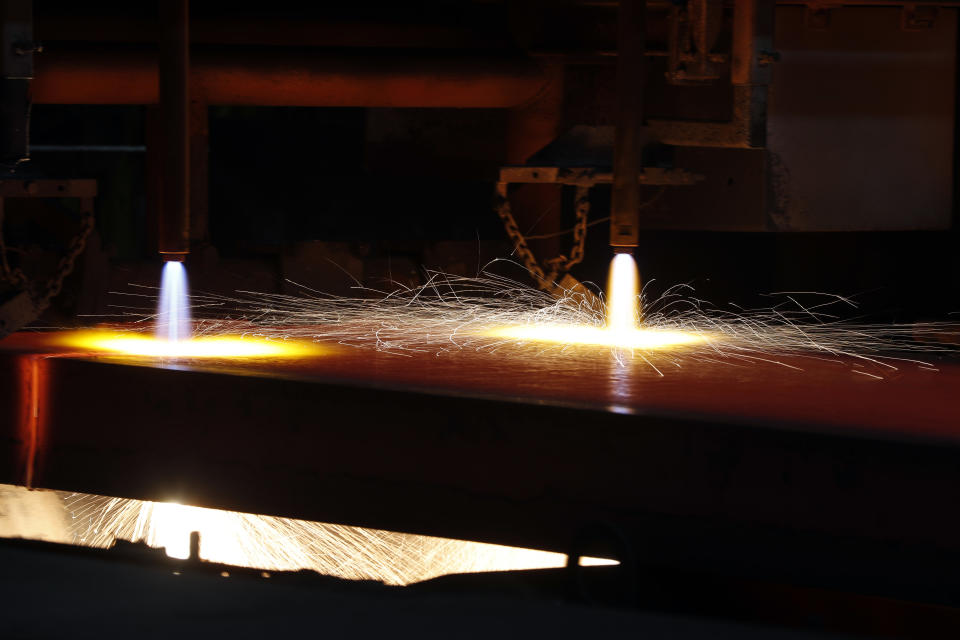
{"x": 146, "y": 345}
{"x": 643, "y": 339}
{"x": 622, "y": 317}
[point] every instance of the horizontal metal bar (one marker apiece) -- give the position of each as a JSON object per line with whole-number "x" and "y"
{"x": 287, "y": 77}
{"x": 46, "y": 188}
{"x": 97, "y": 148}
{"x": 589, "y": 177}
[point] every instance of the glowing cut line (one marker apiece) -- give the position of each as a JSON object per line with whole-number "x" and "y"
{"x": 213, "y": 347}
{"x": 642, "y": 339}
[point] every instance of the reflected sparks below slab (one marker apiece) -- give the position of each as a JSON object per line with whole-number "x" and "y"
{"x": 137, "y": 344}
{"x": 643, "y": 339}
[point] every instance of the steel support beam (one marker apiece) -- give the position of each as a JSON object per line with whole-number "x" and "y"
{"x": 242, "y": 76}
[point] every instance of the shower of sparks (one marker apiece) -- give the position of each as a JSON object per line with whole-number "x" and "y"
{"x": 173, "y": 309}
{"x": 219, "y": 346}
{"x": 256, "y": 541}
{"x": 622, "y": 316}
{"x": 492, "y": 313}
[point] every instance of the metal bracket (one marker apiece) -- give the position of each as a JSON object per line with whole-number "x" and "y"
{"x": 694, "y": 29}
{"x": 588, "y": 176}
{"x": 16, "y": 312}
{"x": 918, "y": 17}
{"x": 16, "y": 39}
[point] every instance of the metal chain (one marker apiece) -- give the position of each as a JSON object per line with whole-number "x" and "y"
{"x": 559, "y": 265}
{"x": 15, "y": 277}
{"x": 520, "y": 246}
{"x": 562, "y": 264}
{"x": 41, "y": 299}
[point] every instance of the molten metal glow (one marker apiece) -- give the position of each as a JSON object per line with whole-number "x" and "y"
{"x": 173, "y": 309}
{"x": 223, "y": 346}
{"x": 622, "y": 316}
{"x": 599, "y": 336}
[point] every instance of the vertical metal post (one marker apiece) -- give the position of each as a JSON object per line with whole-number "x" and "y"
{"x": 154, "y": 179}
{"x": 627, "y": 146}
{"x": 194, "y": 546}
{"x": 749, "y": 74}
{"x": 16, "y": 71}
{"x": 199, "y": 173}
{"x": 174, "y": 232}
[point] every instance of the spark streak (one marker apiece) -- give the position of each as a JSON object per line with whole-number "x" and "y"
{"x": 262, "y": 542}
{"x": 493, "y": 313}
{"x": 622, "y": 328}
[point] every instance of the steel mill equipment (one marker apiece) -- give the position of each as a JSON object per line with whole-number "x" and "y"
{"x": 384, "y": 350}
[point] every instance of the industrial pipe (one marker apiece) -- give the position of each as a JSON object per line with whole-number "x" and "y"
{"x": 627, "y": 143}
{"x": 246, "y": 76}
{"x": 174, "y": 94}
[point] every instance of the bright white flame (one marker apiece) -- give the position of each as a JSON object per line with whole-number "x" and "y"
{"x": 623, "y": 294}
{"x": 173, "y": 310}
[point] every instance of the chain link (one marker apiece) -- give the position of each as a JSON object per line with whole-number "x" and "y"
{"x": 15, "y": 277}
{"x": 520, "y": 246}
{"x": 78, "y": 243}
{"x": 556, "y": 267}
{"x": 41, "y": 297}
{"x": 561, "y": 264}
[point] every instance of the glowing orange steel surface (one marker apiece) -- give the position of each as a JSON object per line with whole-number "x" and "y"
{"x": 142, "y": 344}
{"x": 622, "y": 327}
{"x": 599, "y": 336}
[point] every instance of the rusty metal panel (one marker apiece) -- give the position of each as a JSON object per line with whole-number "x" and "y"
{"x": 46, "y": 188}
{"x": 17, "y": 383}
{"x": 861, "y": 122}
{"x": 270, "y": 78}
